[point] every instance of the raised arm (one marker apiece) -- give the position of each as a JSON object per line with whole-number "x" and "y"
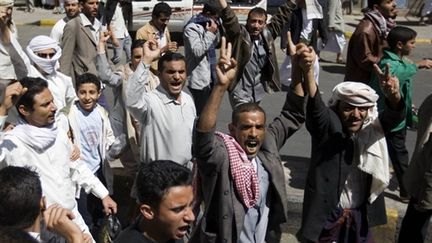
{"x": 103, "y": 67}
{"x": 135, "y": 88}
{"x": 389, "y": 85}
{"x": 226, "y": 70}
{"x": 229, "y": 21}
{"x": 279, "y": 20}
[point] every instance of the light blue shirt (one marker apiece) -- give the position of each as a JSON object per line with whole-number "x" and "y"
{"x": 90, "y": 128}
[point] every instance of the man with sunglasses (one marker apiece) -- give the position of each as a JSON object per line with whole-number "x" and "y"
{"x": 44, "y": 53}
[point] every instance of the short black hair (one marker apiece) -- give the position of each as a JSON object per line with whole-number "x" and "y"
{"x": 20, "y": 195}
{"x": 168, "y": 57}
{"x": 87, "y": 78}
{"x": 246, "y": 107}
{"x": 400, "y": 33}
{"x": 371, "y": 3}
{"x": 161, "y": 8}
{"x": 258, "y": 11}
{"x": 34, "y": 86}
{"x": 137, "y": 43}
{"x": 210, "y": 9}
{"x": 14, "y": 235}
{"x": 154, "y": 179}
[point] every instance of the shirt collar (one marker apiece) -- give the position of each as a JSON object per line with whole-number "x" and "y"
{"x": 392, "y": 55}
{"x": 86, "y": 22}
{"x": 167, "y": 98}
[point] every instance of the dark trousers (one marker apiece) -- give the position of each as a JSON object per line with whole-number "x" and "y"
{"x": 89, "y": 206}
{"x": 413, "y": 223}
{"x": 200, "y": 97}
{"x": 398, "y": 155}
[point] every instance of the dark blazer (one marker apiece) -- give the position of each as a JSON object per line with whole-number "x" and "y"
{"x": 418, "y": 176}
{"x": 242, "y": 44}
{"x": 331, "y": 162}
{"x": 224, "y": 213}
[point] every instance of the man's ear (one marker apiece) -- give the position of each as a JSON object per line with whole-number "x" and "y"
{"x": 147, "y": 212}
{"x": 232, "y": 129}
{"x": 42, "y": 204}
{"x": 399, "y": 45}
{"x": 23, "y": 111}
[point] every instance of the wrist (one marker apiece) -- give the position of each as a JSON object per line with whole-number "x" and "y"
{"x": 3, "y": 110}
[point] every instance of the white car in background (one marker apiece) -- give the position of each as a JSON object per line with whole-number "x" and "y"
{"x": 182, "y": 11}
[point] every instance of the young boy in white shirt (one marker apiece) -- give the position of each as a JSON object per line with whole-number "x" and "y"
{"x": 93, "y": 135}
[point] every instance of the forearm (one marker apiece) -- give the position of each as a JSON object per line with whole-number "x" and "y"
{"x": 82, "y": 175}
{"x": 105, "y": 73}
{"x": 208, "y": 118}
{"x": 135, "y": 89}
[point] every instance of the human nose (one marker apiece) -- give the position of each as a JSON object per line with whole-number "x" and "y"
{"x": 189, "y": 216}
{"x": 53, "y": 106}
{"x": 355, "y": 112}
{"x": 176, "y": 75}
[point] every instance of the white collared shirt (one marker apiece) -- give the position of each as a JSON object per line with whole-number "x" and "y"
{"x": 166, "y": 124}
{"x": 95, "y": 28}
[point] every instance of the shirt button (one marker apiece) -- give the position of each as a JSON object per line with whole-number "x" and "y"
{"x": 226, "y": 192}
{"x": 225, "y": 216}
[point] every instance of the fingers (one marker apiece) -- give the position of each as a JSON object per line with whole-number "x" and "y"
{"x": 377, "y": 70}
{"x": 87, "y": 238}
{"x": 223, "y": 47}
{"x": 387, "y": 71}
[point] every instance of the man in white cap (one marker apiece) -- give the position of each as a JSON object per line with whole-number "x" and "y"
{"x": 72, "y": 10}
{"x": 11, "y": 52}
{"x": 349, "y": 160}
{"x": 44, "y": 53}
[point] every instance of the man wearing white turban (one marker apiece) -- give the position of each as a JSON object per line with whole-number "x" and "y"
{"x": 349, "y": 163}
{"x": 44, "y": 53}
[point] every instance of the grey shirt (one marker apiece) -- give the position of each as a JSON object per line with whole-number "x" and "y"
{"x": 197, "y": 42}
{"x": 166, "y": 124}
{"x": 256, "y": 218}
{"x": 251, "y": 88}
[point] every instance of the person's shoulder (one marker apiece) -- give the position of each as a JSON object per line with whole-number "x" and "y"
{"x": 131, "y": 234}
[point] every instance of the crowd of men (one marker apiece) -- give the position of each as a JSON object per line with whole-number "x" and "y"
{"x": 187, "y": 181}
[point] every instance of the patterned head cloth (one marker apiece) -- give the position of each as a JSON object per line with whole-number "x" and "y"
{"x": 354, "y": 93}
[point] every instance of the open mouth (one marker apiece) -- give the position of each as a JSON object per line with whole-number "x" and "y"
{"x": 176, "y": 85}
{"x": 182, "y": 231}
{"x": 251, "y": 143}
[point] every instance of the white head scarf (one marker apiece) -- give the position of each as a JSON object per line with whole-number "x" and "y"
{"x": 40, "y": 43}
{"x": 372, "y": 146}
{"x": 356, "y": 94}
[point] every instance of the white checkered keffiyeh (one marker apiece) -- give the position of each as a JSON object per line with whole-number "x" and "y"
{"x": 242, "y": 171}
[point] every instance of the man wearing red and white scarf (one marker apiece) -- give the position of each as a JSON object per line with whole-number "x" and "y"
{"x": 241, "y": 176}
{"x": 366, "y": 45}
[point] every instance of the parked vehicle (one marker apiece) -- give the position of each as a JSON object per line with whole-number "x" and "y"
{"x": 182, "y": 11}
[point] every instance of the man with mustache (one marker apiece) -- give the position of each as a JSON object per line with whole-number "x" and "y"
{"x": 366, "y": 45}
{"x": 72, "y": 10}
{"x": 254, "y": 50}
{"x": 79, "y": 41}
{"x": 38, "y": 142}
{"x": 241, "y": 174}
{"x": 349, "y": 160}
{"x": 166, "y": 114}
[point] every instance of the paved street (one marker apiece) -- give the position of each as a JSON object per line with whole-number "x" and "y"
{"x": 296, "y": 151}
